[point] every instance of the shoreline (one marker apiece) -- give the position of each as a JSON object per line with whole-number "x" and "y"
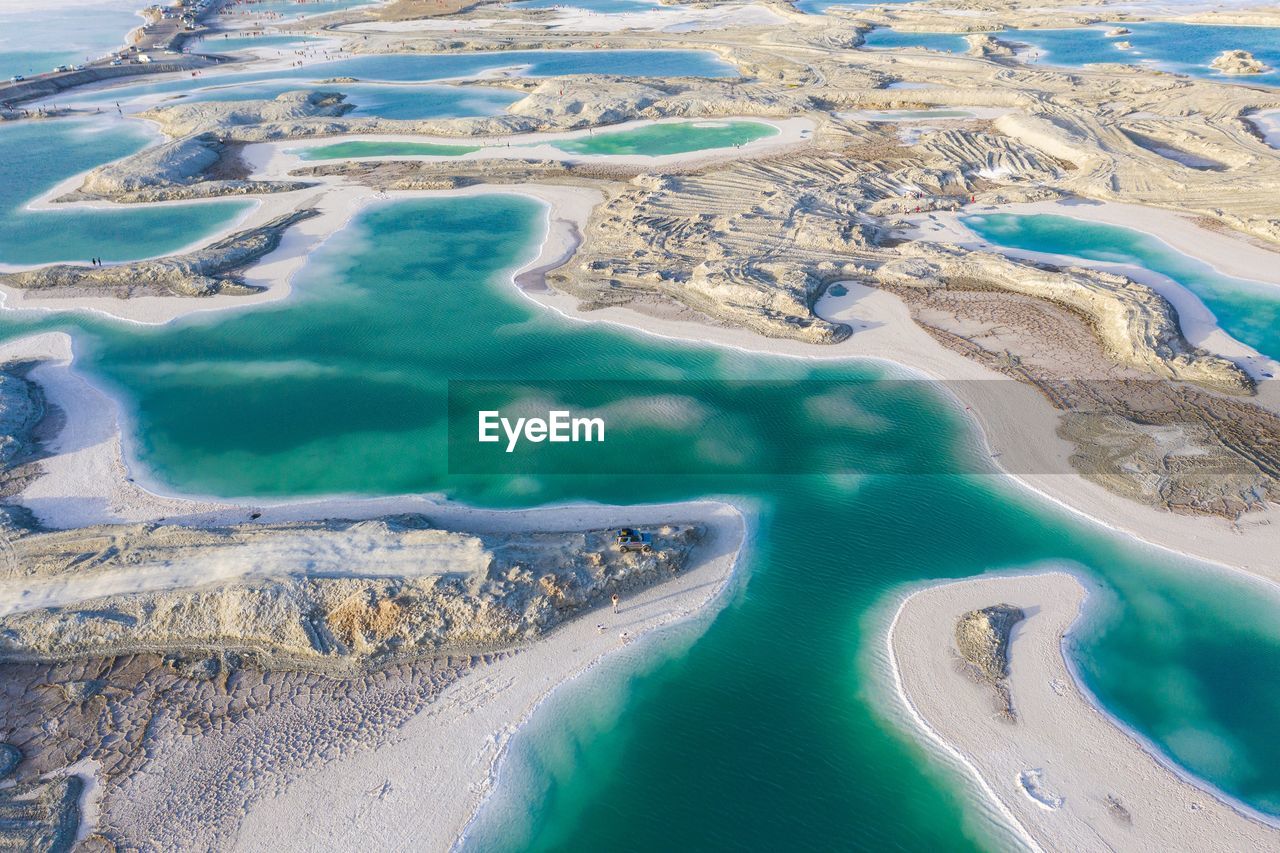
{"x": 272, "y": 160}
{"x": 933, "y": 701}
{"x": 884, "y": 333}
{"x": 1197, "y": 321}
{"x": 469, "y": 730}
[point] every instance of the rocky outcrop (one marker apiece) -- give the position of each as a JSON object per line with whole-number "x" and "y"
{"x": 985, "y": 45}
{"x": 332, "y": 594}
{"x": 982, "y": 638}
{"x": 23, "y": 413}
{"x": 181, "y": 120}
{"x": 1137, "y": 327}
{"x": 204, "y": 272}
{"x": 191, "y": 167}
{"x": 1239, "y": 62}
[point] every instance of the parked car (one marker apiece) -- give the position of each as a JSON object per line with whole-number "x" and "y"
{"x": 17, "y": 78}
{"x": 627, "y": 539}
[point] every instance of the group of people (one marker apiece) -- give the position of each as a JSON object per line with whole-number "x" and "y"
{"x": 97, "y": 262}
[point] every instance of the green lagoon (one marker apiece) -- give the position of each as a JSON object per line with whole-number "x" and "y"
{"x": 351, "y": 150}
{"x": 655, "y": 140}
{"x": 1247, "y": 310}
{"x": 772, "y": 729}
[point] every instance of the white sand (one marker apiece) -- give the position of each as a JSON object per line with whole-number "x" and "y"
{"x": 668, "y": 19}
{"x": 1268, "y": 124}
{"x": 274, "y": 160}
{"x": 443, "y": 763}
{"x": 1053, "y": 770}
{"x": 420, "y": 791}
{"x": 1016, "y": 423}
{"x": 339, "y": 201}
{"x": 1232, "y": 256}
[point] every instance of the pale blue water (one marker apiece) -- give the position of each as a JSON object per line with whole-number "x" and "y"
{"x": 764, "y": 733}
{"x": 36, "y": 156}
{"x": 40, "y": 36}
{"x": 1180, "y": 48}
{"x": 385, "y": 100}
{"x": 1248, "y": 310}
{"x": 885, "y": 38}
{"x": 408, "y": 68}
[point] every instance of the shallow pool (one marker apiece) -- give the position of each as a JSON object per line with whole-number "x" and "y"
{"x": 36, "y": 156}
{"x": 1249, "y": 311}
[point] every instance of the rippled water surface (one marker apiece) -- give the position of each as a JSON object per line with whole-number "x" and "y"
{"x": 1248, "y": 310}
{"x": 767, "y": 732}
{"x": 37, "y": 156}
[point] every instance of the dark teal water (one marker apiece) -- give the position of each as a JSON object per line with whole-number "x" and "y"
{"x": 767, "y": 732}
{"x": 36, "y": 156}
{"x": 1248, "y": 310}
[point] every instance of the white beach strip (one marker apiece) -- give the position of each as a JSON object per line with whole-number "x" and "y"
{"x": 1069, "y": 774}
{"x": 338, "y": 201}
{"x": 422, "y": 789}
{"x": 1014, "y": 421}
{"x": 1229, "y": 253}
{"x": 1268, "y": 124}
{"x": 1230, "y": 256}
{"x": 275, "y": 160}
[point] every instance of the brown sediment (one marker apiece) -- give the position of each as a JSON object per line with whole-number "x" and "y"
{"x": 982, "y": 638}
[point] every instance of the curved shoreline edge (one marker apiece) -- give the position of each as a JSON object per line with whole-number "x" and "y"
{"x": 1065, "y": 746}
{"x": 894, "y": 339}
{"x": 454, "y": 751}
{"x": 564, "y": 213}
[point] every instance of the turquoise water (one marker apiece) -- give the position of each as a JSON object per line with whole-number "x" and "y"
{"x": 384, "y": 100}
{"x": 884, "y": 37}
{"x": 655, "y": 140}
{"x": 1181, "y": 48}
{"x": 765, "y": 733}
{"x": 38, "y": 37}
{"x": 1248, "y": 310}
{"x": 408, "y": 68}
{"x": 36, "y": 156}
{"x": 349, "y": 150}
{"x": 650, "y": 141}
